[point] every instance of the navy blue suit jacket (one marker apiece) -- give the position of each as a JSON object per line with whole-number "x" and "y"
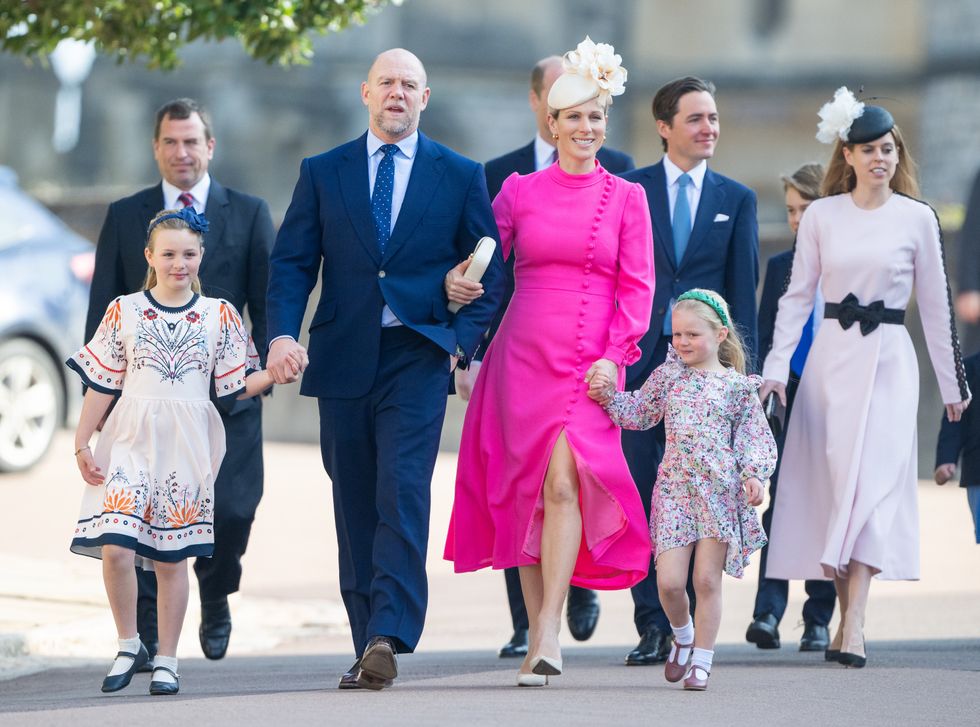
{"x": 522, "y": 161}
{"x": 962, "y": 438}
{"x": 445, "y": 211}
{"x": 777, "y": 271}
{"x": 722, "y": 255}
{"x": 235, "y": 265}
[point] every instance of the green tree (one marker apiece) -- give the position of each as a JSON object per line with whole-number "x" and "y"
{"x": 275, "y": 31}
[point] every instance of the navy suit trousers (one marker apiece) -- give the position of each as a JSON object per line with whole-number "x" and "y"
{"x": 379, "y": 451}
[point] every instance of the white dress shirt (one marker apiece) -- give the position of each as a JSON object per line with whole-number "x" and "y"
{"x": 674, "y": 173}
{"x": 404, "y": 159}
{"x": 199, "y": 192}
{"x": 543, "y": 150}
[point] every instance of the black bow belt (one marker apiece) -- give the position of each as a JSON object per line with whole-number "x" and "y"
{"x": 849, "y": 312}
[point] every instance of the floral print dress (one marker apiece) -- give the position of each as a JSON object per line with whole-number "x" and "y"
{"x": 162, "y": 443}
{"x": 717, "y": 437}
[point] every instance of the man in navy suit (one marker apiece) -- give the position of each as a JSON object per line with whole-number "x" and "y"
{"x": 235, "y": 267}
{"x": 387, "y": 215}
{"x": 711, "y": 242}
{"x": 583, "y": 604}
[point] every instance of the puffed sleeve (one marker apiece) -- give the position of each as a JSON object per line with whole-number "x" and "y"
{"x": 634, "y": 281}
{"x": 235, "y": 356}
{"x": 503, "y": 212}
{"x": 796, "y": 303}
{"x": 645, "y": 408}
{"x": 936, "y": 310}
{"x": 101, "y": 363}
{"x": 752, "y": 440}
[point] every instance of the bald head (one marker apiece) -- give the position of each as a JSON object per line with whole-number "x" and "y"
{"x": 395, "y": 94}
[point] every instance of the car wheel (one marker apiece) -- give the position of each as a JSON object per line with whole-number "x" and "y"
{"x": 32, "y": 403}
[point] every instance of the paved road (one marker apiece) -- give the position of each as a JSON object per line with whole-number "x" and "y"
{"x": 907, "y": 683}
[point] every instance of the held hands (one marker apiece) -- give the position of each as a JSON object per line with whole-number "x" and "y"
{"x": 86, "y": 465}
{"x": 944, "y": 473}
{"x": 954, "y": 412}
{"x": 769, "y": 386}
{"x": 459, "y": 289}
{"x": 287, "y": 360}
{"x": 754, "y": 491}
{"x": 601, "y": 378}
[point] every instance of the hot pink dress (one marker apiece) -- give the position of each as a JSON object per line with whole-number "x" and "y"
{"x": 584, "y": 290}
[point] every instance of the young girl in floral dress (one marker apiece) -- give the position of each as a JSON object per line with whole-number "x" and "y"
{"x": 719, "y": 453}
{"x": 151, "y": 475}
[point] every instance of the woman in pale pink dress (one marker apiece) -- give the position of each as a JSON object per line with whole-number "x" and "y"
{"x": 542, "y": 482}
{"x": 847, "y": 505}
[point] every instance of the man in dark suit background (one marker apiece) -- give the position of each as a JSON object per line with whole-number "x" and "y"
{"x": 705, "y": 236}
{"x": 583, "y": 604}
{"x": 387, "y": 215}
{"x": 234, "y": 267}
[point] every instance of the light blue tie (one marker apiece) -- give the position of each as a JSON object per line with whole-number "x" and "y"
{"x": 681, "y": 228}
{"x": 384, "y": 186}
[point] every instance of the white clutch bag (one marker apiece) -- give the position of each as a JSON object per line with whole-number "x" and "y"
{"x": 480, "y": 259}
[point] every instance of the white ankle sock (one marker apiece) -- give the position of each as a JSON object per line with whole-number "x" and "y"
{"x": 702, "y": 658}
{"x": 162, "y": 676}
{"x": 122, "y": 663}
{"x": 682, "y": 635}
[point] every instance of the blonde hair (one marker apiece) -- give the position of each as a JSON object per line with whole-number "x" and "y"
{"x": 840, "y": 177}
{"x": 806, "y": 180}
{"x": 173, "y": 223}
{"x": 731, "y": 351}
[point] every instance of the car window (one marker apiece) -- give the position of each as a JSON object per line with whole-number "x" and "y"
{"x": 22, "y": 219}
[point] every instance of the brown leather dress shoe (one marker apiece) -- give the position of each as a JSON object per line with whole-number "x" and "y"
{"x": 696, "y": 679}
{"x": 379, "y": 667}
{"x": 349, "y": 678}
{"x": 673, "y": 670}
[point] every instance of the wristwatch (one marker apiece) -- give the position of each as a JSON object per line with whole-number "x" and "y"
{"x": 461, "y": 361}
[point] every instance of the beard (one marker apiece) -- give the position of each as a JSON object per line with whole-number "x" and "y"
{"x": 394, "y": 127}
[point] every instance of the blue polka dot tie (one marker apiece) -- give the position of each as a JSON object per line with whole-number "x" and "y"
{"x": 384, "y": 184}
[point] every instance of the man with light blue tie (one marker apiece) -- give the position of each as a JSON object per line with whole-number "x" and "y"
{"x": 705, "y": 235}
{"x": 800, "y": 188}
{"x": 381, "y": 219}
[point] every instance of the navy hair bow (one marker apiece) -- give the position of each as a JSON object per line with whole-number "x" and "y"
{"x": 197, "y": 222}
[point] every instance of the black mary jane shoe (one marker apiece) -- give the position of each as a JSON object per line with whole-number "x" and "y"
{"x": 121, "y": 681}
{"x": 158, "y": 687}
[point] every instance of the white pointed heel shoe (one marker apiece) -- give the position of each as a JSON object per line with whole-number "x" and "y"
{"x": 546, "y": 666}
{"x": 531, "y": 680}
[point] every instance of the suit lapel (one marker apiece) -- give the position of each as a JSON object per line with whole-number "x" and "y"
{"x": 660, "y": 211}
{"x": 712, "y": 197}
{"x": 216, "y": 211}
{"x": 427, "y": 170}
{"x": 525, "y": 160}
{"x": 352, "y": 177}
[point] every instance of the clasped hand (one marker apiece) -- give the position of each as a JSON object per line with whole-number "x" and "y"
{"x": 601, "y": 378}
{"x": 287, "y": 360}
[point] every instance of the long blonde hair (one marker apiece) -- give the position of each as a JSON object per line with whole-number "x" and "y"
{"x": 731, "y": 351}
{"x": 840, "y": 177}
{"x": 173, "y": 223}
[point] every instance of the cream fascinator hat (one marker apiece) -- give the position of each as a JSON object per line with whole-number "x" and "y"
{"x": 852, "y": 121}
{"x": 592, "y": 70}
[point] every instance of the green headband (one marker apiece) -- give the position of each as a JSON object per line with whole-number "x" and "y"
{"x": 707, "y": 300}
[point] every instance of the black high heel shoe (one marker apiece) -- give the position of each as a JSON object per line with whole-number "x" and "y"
{"x": 831, "y": 654}
{"x": 853, "y": 660}
{"x": 121, "y": 681}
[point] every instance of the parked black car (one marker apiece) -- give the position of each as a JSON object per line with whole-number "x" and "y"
{"x": 45, "y": 271}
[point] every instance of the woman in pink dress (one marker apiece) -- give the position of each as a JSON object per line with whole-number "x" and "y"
{"x": 542, "y": 482}
{"x": 847, "y": 505}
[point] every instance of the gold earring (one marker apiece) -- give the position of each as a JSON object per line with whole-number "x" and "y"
{"x": 555, "y": 137}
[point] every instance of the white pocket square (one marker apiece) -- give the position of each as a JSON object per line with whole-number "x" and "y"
{"x": 721, "y": 217}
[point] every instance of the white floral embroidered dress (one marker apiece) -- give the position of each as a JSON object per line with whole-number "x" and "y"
{"x": 163, "y": 442}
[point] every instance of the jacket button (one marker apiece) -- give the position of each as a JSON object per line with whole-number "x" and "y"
{"x": 381, "y": 273}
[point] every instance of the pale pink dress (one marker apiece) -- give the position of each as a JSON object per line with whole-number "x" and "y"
{"x": 584, "y": 291}
{"x": 847, "y": 483}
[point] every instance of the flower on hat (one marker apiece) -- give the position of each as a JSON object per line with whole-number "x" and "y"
{"x": 836, "y": 116}
{"x": 600, "y": 63}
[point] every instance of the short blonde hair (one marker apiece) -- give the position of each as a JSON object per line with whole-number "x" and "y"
{"x": 731, "y": 352}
